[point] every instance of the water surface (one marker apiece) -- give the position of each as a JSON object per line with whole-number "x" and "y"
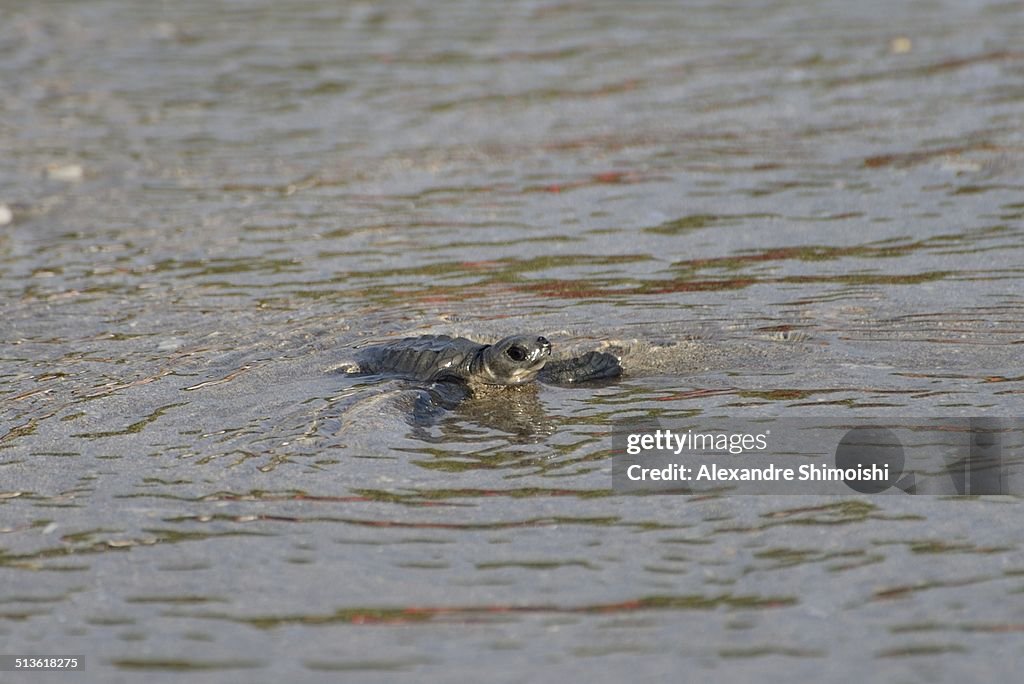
{"x": 774, "y": 208}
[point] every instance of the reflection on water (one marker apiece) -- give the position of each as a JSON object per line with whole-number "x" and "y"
{"x": 780, "y": 208}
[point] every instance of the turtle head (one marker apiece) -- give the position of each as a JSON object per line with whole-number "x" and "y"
{"x": 514, "y": 360}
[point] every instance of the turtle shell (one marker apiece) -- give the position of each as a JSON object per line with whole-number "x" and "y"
{"x": 426, "y": 358}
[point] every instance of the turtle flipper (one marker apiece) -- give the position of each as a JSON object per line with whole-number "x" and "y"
{"x": 593, "y": 365}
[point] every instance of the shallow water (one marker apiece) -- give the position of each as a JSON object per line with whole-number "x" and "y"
{"x": 771, "y": 208}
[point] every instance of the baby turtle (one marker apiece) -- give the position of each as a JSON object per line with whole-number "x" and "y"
{"x": 514, "y": 360}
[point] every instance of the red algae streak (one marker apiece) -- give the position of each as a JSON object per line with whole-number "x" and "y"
{"x": 419, "y": 614}
{"x": 595, "y": 180}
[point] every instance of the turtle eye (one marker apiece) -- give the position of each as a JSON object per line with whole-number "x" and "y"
{"x": 516, "y": 353}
